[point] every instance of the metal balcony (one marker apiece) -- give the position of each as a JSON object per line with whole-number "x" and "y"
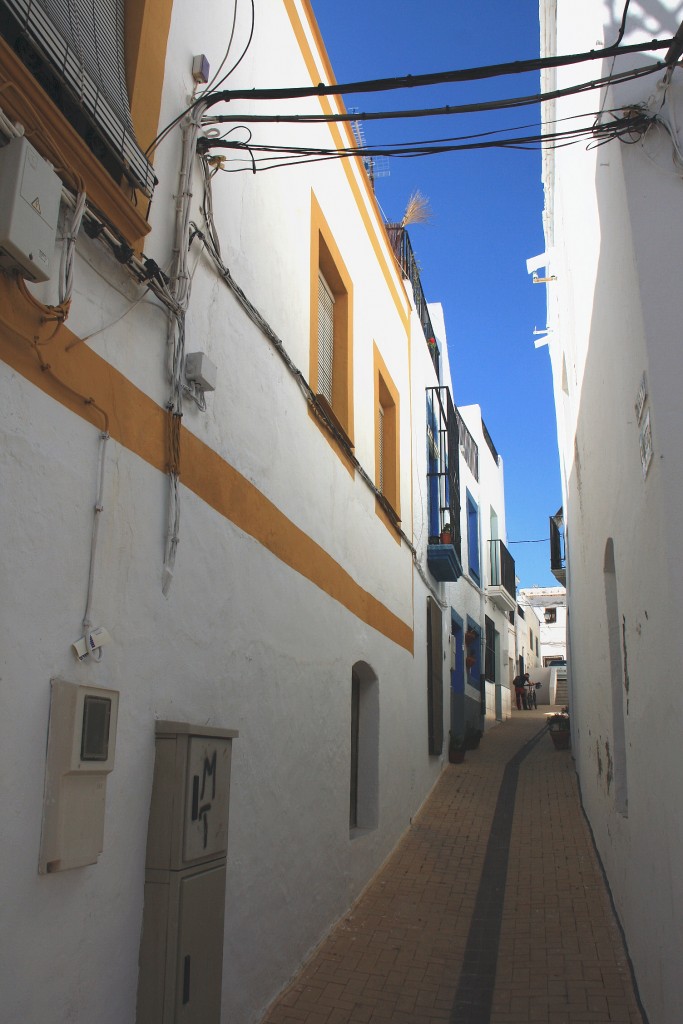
{"x": 557, "y": 553}
{"x": 443, "y": 487}
{"x": 403, "y": 251}
{"x": 501, "y": 588}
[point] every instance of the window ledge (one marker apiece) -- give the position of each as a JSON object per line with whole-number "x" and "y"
{"x": 26, "y": 100}
{"x": 331, "y": 415}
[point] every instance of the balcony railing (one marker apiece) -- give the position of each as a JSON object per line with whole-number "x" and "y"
{"x": 468, "y": 446}
{"x": 558, "y": 564}
{"x": 443, "y": 487}
{"x": 501, "y": 587}
{"x": 403, "y": 251}
{"x": 489, "y": 442}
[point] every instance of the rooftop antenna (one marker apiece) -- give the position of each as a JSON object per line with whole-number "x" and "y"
{"x": 375, "y": 166}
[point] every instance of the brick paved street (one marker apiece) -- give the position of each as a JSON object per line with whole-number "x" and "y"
{"x": 492, "y": 909}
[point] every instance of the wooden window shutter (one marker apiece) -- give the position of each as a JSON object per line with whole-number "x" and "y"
{"x": 325, "y": 339}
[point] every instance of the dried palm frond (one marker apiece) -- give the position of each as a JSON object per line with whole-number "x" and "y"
{"x": 417, "y": 210}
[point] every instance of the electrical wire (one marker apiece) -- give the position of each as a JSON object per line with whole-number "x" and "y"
{"x": 212, "y": 83}
{"x": 448, "y": 110}
{"x": 622, "y": 27}
{"x": 436, "y": 78}
{"x": 213, "y": 87}
{"x": 406, "y": 81}
{"x": 279, "y": 156}
{"x": 541, "y": 540}
{"x": 209, "y": 91}
{"x": 97, "y": 514}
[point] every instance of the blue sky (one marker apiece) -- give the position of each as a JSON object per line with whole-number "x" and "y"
{"x": 486, "y": 222}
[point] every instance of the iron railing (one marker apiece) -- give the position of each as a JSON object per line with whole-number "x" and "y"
{"x": 489, "y": 441}
{"x": 403, "y": 251}
{"x": 558, "y": 564}
{"x": 502, "y": 568}
{"x": 468, "y": 447}
{"x": 445, "y": 471}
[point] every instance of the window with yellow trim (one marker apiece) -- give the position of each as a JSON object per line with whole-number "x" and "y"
{"x": 73, "y": 74}
{"x": 331, "y": 361}
{"x": 386, "y": 435}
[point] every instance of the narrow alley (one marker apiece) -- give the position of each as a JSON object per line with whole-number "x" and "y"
{"x": 493, "y": 908}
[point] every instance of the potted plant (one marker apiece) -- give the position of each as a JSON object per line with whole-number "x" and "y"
{"x": 558, "y": 727}
{"x": 456, "y": 748}
{"x": 446, "y": 534}
{"x": 470, "y": 637}
{"x": 472, "y": 737}
{"x": 470, "y": 661}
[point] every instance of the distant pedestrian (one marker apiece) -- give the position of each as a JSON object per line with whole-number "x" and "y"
{"x": 519, "y": 683}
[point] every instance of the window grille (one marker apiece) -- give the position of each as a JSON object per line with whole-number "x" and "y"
{"x": 325, "y": 338}
{"x": 75, "y": 49}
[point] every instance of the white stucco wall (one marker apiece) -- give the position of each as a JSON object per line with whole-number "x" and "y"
{"x": 613, "y": 313}
{"x": 243, "y": 640}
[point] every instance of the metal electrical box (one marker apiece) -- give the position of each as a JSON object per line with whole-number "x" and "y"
{"x": 30, "y": 194}
{"x": 181, "y": 952}
{"x": 80, "y": 754}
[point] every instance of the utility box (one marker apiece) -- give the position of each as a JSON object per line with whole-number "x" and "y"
{"x": 81, "y": 744}
{"x": 30, "y": 194}
{"x": 181, "y": 953}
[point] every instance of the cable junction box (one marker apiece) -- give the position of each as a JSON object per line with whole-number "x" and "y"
{"x": 200, "y": 371}
{"x": 30, "y": 194}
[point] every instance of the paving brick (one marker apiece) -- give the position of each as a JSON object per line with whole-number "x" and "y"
{"x": 404, "y": 948}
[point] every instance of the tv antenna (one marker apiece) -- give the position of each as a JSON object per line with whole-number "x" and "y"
{"x": 375, "y": 166}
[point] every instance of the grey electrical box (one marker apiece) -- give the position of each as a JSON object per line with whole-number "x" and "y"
{"x": 181, "y": 952}
{"x": 30, "y": 194}
{"x": 201, "y": 371}
{"x": 80, "y": 754}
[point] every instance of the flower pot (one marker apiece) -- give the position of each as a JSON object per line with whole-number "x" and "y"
{"x": 469, "y": 661}
{"x": 561, "y": 739}
{"x": 472, "y": 739}
{"x": 446, "y": 537}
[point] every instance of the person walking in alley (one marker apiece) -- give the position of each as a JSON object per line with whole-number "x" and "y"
{"x": 519, "y": 683}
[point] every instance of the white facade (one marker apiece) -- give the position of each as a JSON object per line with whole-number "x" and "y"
{"x": 550, "y": 604}
{"x": 294, "y": 585}
{"x": 479, "y": 595}
{"x": 613, "y": 252}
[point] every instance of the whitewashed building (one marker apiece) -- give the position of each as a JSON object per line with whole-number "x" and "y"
{"x": 611, "y": 269}
{"x": 221, "y": 589}
{"x": 550, "y": 604}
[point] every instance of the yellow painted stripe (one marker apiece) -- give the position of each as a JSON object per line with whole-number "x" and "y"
{"x": 139, "y": 424}
{"x": 390, "y": 272}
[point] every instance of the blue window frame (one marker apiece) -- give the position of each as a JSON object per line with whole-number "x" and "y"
{"x": 433, "y": 470}
{"x": 473, "y": 537}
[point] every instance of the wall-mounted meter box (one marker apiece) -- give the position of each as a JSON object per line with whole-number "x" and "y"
{"x": 81, "y": 744}
{"x": 30, "y": 194}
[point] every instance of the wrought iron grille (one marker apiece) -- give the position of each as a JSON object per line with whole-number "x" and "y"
{"x": 443, "y": 471}
{"x": 403, "y": 251}
{"x": 557, "y": 552}
{"x": 502, "y": 567}
{"x": 489, "y": 442}
{"x": 468, "y": 447}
